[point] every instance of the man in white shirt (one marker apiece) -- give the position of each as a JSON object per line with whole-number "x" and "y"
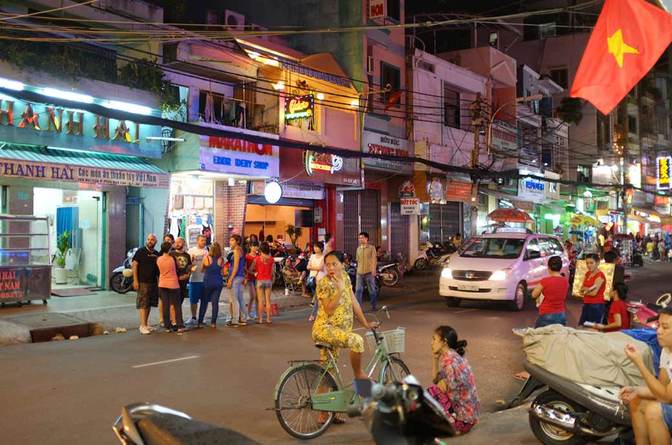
{"x": 651, "y": 405}
{"x": 197, "y": 254}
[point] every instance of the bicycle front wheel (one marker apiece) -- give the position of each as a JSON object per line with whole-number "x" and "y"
{"x": 293, "y": 405}
{"x": 394, "y": 370}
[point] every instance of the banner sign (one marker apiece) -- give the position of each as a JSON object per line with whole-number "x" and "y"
{"x": 382, "y": 144}
{"x": 72, "y": 173}
{"x": 663, "y": 172}
{"x": 293, "y": 190}
{"x": 376, "y": 9}
{"x": 25, "y": 283}
{"x": 299, "y": 107}
{"x": 239, "y": 157}
{"x": 458, "y": 191}
{"x": 532, "y": 189}
{"x": 324, "y": 162}
{"x": 410, "y": 206}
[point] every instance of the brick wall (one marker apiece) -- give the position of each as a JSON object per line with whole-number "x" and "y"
{"x": 229, "y": 210}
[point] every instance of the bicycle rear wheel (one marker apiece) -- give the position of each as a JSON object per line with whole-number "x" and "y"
{"x": 293, "y": 405}
{"x": 394, "y": 371}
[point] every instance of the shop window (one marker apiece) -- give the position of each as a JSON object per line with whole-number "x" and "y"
{"x": 451, "y": 107}
{"x": 219, "y": 109}
{"x": 390, "y": 80}
{"x": 559, "y": 76}
{"x": 532, "y": 246}
{"x": 394, "y": 9}
{"x": 632, "y": 124}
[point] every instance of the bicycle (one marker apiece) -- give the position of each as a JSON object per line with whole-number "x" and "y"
{"x": 308, "y": 388}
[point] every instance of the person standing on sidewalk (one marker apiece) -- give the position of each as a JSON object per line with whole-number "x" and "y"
{"x": 145, "y": 281}
{"x": 592, "y": 291}
{"x": 366, "y": 270}
{"x": 250, "y": 282}
{"x": 263, "y": 269}
{"x": 169, "y": 289}
{"x": 183, "y": 260}
{"x": 235, "y": 283}
{"x": 213, "y": 282}
{"x": 197, "y": 253}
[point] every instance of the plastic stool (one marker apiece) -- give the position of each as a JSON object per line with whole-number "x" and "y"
{"x": 274, "y": 309}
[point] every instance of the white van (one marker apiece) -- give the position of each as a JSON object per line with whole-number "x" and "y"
{"x": 499, "y": 266}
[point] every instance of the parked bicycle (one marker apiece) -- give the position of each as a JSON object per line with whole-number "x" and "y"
{"x": 310, "y": 393}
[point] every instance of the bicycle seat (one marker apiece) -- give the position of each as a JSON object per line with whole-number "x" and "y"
{"x": 323, "y": 346}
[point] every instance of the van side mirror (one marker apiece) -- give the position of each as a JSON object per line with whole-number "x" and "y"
{"x": 533, "y": 255}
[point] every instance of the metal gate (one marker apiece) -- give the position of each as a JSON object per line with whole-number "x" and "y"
{"x": 399, "y": 230}
{"x": 350, "y": 222}
{"x": 445, "y": 220}
{"x": 361, "y": 213}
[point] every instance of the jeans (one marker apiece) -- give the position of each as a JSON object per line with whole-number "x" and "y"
{"x": 549, "y": 319}
{"x": 210, "y": 295}
{"x": 171, "y": 298}
{"x": 237, "y": 301}
{"x": 370, "y": 281}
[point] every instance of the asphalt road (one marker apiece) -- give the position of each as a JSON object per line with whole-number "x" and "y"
{"x": 70, "y": 392}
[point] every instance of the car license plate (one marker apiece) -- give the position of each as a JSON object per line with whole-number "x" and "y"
{"x": 468, "y": 288}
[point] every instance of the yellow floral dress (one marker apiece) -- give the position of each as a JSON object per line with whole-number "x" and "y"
{"x": 336, "y": 329}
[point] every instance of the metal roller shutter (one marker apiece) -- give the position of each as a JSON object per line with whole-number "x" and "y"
{"x": 445, "y": 220}
{"x": 350, "y": 222}
{"x": 370, "y": 214}
{"x": 399, "y": 230}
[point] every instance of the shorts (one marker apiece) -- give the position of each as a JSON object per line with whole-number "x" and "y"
{"x": 184, "y": 291}
{"x": 195, "y": 292}
{"x": 667, "y": 415}
{"x": 549, "y": 319}
{"x": 148, "y": 296}
{"x": 264, "y": 284}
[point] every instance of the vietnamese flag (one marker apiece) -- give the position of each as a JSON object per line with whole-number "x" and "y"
{"x": 628, "y": 39}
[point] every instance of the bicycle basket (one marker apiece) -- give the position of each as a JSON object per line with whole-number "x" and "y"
{"x": 395, "y": 340}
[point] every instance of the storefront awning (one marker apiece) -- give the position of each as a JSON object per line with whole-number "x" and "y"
{"x": 77, "y": 166}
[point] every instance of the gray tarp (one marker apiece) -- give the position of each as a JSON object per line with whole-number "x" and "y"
{"x": 584, "y": 356}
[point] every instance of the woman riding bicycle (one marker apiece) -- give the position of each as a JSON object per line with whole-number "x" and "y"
{"x": 336, "y": 306}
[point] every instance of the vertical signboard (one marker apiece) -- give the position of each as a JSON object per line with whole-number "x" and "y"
{"x": 663, "y": 172}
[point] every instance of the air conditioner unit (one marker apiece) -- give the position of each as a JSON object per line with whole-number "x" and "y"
{"x": 234, "y": 20}
{"x": 370, "y": 67}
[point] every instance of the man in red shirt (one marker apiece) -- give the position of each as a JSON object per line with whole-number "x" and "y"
{"x": 550, "y": 294}
{"x": 618, "y": 317}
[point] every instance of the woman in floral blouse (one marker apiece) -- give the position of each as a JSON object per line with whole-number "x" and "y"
{"x": 337, "y": 307}
{"x": 454, "y": 385}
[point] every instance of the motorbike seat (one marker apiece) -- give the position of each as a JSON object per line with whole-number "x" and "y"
{"x": 168, "y": 429}
{"x": 323, "y": 346}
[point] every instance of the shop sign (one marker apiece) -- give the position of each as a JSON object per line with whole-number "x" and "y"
{"x": 69, "y": 173}
{"x": 24, "y": 282}
{"x": 407, "y": 190}
{"x": 531, "y": 189}
{"x": 295, "y": 191}
{"x": 663, "y": 172}
{"x": 239, "y": 157}
{"x": 324, "y": 162}
{"x": 382, "y": 144}
{"x": 46, "y": 125}
{"x": 552, "y": 190}
{"x": 458, "y": 191}
{"x": 299, "y": 107}
{"x": 410, "y": 206}
{"x": 662, "y": 204}
{"x": 376, "y": 9}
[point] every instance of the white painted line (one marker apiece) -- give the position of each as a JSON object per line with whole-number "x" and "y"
{"x": 464, "y": 311}
{"x": 190, "y": 357}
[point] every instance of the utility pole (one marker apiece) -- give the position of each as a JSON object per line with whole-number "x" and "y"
{"x": 477, "y": 122}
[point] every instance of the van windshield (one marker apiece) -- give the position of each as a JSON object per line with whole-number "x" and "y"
{"x": 504, "y": 248}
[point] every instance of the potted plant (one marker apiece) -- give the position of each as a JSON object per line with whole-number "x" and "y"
{"x": 62, "y": 247}
{"x": 294, "y": 233}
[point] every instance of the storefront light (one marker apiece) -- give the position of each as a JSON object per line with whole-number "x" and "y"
{"x": 320, "y": 96}
{"x": 272, "y": 192}
{"x": 11, "y": 84}
{"x": 354, "y": 103}
{"x": 67, "y": 95}
{"x": 128, "y": 107}
{"x": 279, "y": 86}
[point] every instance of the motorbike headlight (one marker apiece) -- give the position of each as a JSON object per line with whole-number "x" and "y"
{"x": 447, "y": 273}
{"x": 499, "y": 275}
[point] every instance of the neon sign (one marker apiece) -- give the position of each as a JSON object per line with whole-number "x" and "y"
{"x": 663, "y": 172}
{"x": 324, "y": 162}
{"x": 299, "y": 107}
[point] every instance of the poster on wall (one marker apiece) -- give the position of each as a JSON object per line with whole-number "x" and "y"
{"x": 410, "y": 206}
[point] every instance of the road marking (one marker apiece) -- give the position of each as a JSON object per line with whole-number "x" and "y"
{"x": 464, "y": 311}
{"x": 173, "y": 360}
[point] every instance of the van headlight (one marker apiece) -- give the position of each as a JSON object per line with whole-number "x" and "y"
{"x": 499, "y": 275}
{"x": 447, "y": 273}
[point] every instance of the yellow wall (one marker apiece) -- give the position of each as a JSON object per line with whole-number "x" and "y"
{"x": 276, "y": 218}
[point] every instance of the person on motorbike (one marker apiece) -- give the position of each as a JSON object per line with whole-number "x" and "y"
{"x": 651, "y": 405}
{"x": 454, "y": 386}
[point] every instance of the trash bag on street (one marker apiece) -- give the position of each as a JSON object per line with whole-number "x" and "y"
{"x": 587, "y": 357}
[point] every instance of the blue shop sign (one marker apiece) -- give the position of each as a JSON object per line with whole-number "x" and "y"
{"x": 531, "y": 189}
{"x": 46, "y": 125}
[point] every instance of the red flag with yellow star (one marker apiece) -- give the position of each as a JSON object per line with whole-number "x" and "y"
{"x": 628, "y": 39}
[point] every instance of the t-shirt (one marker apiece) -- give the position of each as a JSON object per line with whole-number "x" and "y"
{"x": 264, "y": 268}
{"x": 589, "y": 281}
{"x": 249, "y": 263}
{"x": 167, "y": 272}
{"x": 555, "y": 293}
{"x": 147, "y": 270}
{"x": 316, "y": 266}
{"x": 197, "y": 256}
{"x": 666, "y": 362}
{"x": 619, "y": 307}
{"x": 183, "y": 260}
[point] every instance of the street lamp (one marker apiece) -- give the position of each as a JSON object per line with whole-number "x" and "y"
{"x": 517, "y": 100}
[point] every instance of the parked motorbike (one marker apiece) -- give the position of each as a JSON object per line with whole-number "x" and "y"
{"x": 388, "y": 274}
{"x": 121, "y": 280}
